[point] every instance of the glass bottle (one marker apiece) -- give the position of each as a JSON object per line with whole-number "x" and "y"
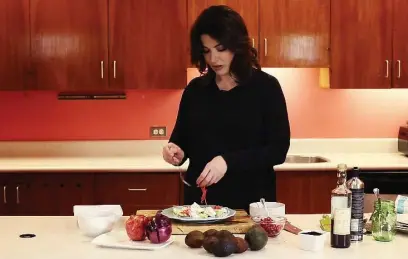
{"x": 384, "y": 220}
{"x": 356, "y": 186}
{"x": 340, "y": 211}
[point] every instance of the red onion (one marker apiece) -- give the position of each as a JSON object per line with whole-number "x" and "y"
{"x": 159, "y": 229}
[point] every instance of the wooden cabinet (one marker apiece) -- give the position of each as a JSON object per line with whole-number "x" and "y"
{"x": 305, "y": 192}
{"x": 361, "y": 43}
{"x": 147, "y": 44}
{"x": 294, "y": 33}
{"x": 138, "y": 191}
{"x": 42, "y": 194}
{"x": 287, "y": 33}
{"x": 14, "y": 44}
{"x": 69, "y": 44}
{"x": 399, "y": 64}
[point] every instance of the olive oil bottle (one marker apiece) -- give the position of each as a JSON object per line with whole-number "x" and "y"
{"x": 356, "y": 186}
{"x": 340, "y": 235}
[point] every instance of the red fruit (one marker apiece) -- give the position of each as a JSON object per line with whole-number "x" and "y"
{"x": 136, "y": 227}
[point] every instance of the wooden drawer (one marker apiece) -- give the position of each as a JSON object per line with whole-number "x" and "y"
{"x": 137, "y": 191}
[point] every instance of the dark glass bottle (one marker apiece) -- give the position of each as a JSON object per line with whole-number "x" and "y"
{"x": 340, "y": 211}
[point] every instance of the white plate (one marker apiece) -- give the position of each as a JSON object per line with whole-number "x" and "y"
{"x": 402, "y": 218}
{"x": 169, "y": 213}
{"x": 119, "y": 239}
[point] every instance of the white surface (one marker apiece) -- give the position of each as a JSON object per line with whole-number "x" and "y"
{"x": 94, "y": 220}
{"x": 119, "y": 239}
{"x": 256, "y": 209}
{"x": 146, "y": 155}
{"x": 313, "y": 243}
{"x": 59, "y": 237}
{"x": 402, "y": 218}
{"x": 169, "y": 213}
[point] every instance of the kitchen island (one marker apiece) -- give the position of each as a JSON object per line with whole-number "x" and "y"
{"x": 59, "y": 237}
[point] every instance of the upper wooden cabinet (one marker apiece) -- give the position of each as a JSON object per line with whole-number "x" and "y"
{"x": 400, "y": 45}
{"x": 14, "y": 44}
{"x": 287, "y": 33}
{"x": 147, "y": 44}
{"x": 69, "y": 45}
{"x": 294, "y": 33}
{"x": 361, "y": 44}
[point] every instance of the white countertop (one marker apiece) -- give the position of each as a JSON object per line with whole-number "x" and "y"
{"x": 145, "y": 156}
{"x": 58, "y": 237}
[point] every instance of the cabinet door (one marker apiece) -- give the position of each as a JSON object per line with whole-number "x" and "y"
{"x": 14, "y": 44}
{"x": 294, "y": 33}
{"x": 305, "y": 192}
{"x": 400, "y": 42}
{"x": 138, "y": 190}
{"x": 69, "y": 44}
{"x": 361, "y": 44}
{"x": 147, "y": 44}
{"x": 248, "y": 9}
{"x": 51, "y": 194}
{"x": 6, "y": 201}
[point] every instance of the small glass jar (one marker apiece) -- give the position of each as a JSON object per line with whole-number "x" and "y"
{"x": 384, "y": 220}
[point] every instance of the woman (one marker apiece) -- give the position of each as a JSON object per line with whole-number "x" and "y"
{"x": 232, "y": 122}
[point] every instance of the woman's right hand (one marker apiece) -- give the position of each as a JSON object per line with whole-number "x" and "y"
{"x": 173, "y": 154}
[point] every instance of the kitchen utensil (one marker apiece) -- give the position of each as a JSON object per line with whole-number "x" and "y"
{"x": 291, "y": 228}
{"x": 169, "y": 213}
{"x": 238, "y": 224}
{"x": 274, "y": 208}
{"x": 120, "y": 239}
{"x": 264, "y": 205}
{"x": 312, "y": 240}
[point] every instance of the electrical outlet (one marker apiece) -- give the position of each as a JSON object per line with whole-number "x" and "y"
{"x": 158, "y": 131}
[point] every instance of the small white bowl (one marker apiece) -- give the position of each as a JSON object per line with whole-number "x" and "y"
{"x": 256, "y": 209}
{"x": 312, "y": 242}
{"x": 95, "y": 220}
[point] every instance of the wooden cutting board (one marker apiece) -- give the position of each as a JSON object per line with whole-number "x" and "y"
{"x": 239, "y": 224}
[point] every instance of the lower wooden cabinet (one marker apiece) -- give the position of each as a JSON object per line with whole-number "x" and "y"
{"x": 138, "y": 191}
{"x": 43, "y": 194}
{"x": 305, "y": 192}
{"x": 55, "y": 194}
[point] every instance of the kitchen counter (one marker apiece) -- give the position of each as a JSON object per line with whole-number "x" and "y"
{"x": 59, "y": 237}
{"x": 145, "y": 156}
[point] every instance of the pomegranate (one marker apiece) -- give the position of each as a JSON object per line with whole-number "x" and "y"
{"x": 136, "y": 227}
{"x": 159, "y": 228}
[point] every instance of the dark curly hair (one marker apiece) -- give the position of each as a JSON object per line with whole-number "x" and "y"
{"x": 226, "y": 26}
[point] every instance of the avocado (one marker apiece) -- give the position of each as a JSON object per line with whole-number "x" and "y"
{"x": 224, "y": 234}
{"x": 209, "y": 243}
{"x": 256, "y": 238}
{"x": 210, "y": 232}
{"x": 194, "y": 239}
{"x": 224, "y": 247}
{"x": 241, "y": 245}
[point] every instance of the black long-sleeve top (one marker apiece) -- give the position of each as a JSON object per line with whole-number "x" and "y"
{"x": 248, "y": 126}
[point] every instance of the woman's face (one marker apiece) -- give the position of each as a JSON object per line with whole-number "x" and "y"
{"x": 216, "y": 56}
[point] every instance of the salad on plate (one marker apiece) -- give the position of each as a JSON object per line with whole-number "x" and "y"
{"x": 195, "y": 211}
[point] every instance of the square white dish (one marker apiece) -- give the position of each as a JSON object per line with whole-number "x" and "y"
{"x": 119, "y": 239}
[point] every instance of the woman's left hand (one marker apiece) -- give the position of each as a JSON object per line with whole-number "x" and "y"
{"x": 213, "y": 172}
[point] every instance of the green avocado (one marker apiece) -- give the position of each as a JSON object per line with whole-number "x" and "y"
{"x": 256, "y": 238}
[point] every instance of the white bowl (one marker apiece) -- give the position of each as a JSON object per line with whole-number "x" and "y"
{"x": 256, "y": 209}
{"x": 94, "y": 220}
{"x": 312, "y": 242}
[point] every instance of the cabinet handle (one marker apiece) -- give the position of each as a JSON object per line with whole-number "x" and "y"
{"x": 114, "y": 69}
{"x": 102, "y": 69}
{"x": 266, "y": 46}
{"x": 137, "y": 190}
{"x": 4, "y": 194}
{"x": 399, "y": 68}
{"x": 388, "y": 65}
{"x": 253, "y": 42}
{"x": 18, "y": 194}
